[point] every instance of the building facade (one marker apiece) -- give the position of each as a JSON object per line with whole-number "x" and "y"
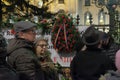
{"x": 85, "y": 9}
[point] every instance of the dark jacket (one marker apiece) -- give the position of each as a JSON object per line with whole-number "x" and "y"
{"x": 22, "y": 58}
{"x": 111, "y": 51}
{"x": 48, "y": 67}
{"x": 6, "y": 72}
{"x": 89, "y": 65}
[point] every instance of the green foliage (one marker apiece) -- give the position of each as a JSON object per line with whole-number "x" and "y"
{"x": 45, "y": 25}
{"x": 116, "y": 35}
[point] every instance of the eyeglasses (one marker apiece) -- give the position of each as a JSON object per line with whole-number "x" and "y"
{"x": 30, "y": 30}
{"x": 33, "y": 31}
{"x": 42, "y": 45}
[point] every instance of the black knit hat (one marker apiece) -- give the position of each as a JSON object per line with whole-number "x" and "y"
{"x": 23, "y": 25}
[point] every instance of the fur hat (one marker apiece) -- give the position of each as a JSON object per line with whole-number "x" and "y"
{"x": 91, "y": 36}
{"x": 23, "y": 25}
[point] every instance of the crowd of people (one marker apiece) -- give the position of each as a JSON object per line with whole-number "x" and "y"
{"x": 92, "y": 61}
{"x": 27, "y": 58}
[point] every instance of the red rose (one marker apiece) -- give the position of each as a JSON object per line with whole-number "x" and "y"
{"x": 68, "y": 20}
{"x": 66, "y": 25}
{"x": 12, "y": 31}
{"x": 63, "y": 17}
{"x": 64, "y": 20}
{"x": 73, "y": 27}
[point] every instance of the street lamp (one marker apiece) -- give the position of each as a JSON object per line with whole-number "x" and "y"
{"x": 77, "y": 19}
{"x": 90, "y": 18}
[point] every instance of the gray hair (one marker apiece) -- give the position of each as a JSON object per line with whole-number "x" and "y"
{"x": 40, "y": 39}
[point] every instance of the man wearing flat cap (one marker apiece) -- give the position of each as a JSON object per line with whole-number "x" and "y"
{"x": 21, "y": 54}
{"x": 91, "y": 63}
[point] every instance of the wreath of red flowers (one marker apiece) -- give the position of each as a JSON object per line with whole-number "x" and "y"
{"x": 64, "y": 34}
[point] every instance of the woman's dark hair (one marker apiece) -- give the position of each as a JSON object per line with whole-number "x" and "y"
{"x": 110, "y": 41}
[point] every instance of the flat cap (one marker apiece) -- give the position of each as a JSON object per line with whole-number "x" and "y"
{"x": 23, "y": 25}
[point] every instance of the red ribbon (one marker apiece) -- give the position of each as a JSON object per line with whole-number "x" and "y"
{"x": 57, "y": 35}
{"x": 64, "y": 35}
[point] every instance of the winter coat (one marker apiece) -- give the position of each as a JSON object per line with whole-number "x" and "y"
{"x": 6, "y": 72}
{"x": 89, "y": 65}
{"x": 22, "y": 58}
{"x": 111, "y": 52}
{"x": 48, "y": 66}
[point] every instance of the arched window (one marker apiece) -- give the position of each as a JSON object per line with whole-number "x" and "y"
{"x": 101, "y": 18}
{"x": 87, "y": 18}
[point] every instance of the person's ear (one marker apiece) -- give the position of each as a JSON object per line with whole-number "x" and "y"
{"x": 21, "y": 34}
{"x": 106, "y": 41}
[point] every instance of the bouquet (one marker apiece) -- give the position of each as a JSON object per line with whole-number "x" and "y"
{"x": 45, "y": 26}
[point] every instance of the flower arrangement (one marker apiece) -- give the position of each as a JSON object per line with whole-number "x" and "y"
{"x": 64, "y": 34}
{"x": 45, "y": 25}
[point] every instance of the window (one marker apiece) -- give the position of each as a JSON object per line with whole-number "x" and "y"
{"x": 61, "y": 1}
{"x": 87, "y": 2}
{"x": 101, "y": 18}
{"x": 87, "y": 18}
